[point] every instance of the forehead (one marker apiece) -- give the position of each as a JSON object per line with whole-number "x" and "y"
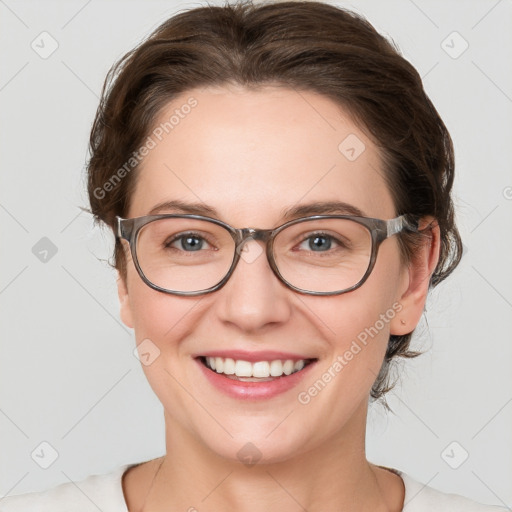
{"x": 250, "y": 154}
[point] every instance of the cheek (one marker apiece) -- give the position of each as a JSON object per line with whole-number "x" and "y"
{"x": 368, "y": 308}
{"x": 157, "y": 315}
{"x": 358, "y": 327}
{"x": 161, "y": 323}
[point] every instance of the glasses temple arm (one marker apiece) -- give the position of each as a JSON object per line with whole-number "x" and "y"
{"x": 397, "y": 225}
{"x": 118, "y": 229}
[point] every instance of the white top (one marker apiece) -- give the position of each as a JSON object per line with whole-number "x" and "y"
{"x": 104, "y": 492}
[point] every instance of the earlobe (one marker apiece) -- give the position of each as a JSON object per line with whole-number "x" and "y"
{"x": 124, "y": 301}
{"x": 417, "y": 279}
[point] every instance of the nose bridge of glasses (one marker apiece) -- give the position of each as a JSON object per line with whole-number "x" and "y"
{"x": 247, "y": 234}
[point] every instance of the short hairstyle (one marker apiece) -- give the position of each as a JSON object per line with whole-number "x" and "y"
{"x": 302, "y": 45}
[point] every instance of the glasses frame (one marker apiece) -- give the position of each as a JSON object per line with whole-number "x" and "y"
{"x": 380, "y": 230}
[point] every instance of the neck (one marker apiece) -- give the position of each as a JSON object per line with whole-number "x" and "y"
{"x": 335, "y": 475}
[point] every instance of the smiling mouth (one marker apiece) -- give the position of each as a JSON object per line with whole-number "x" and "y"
{"x": 261, "y": 371}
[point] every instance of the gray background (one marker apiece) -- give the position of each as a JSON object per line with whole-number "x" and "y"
{"x": 68, "y": 374}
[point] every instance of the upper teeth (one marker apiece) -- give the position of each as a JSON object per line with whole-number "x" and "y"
{"x": 242, "y": 368}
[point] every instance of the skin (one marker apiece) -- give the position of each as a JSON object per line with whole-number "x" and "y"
{"x": 274, "y": 147}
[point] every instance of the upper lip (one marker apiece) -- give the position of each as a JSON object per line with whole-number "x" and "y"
{"x": 253, "y": 356}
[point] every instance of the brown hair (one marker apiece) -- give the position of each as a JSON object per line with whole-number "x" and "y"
{"x": 304, "y": 45}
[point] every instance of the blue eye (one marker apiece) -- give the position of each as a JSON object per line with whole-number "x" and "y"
{"x": 188, "y": 242}
{"x": 191, "y": 243}
{"x": 319, "y": 242}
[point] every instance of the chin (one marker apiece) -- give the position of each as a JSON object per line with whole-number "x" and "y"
{"x": 253, "y": 450}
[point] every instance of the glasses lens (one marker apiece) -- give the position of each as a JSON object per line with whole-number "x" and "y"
{"x": 184, "y": 255}
{"x": 323, "y": 255}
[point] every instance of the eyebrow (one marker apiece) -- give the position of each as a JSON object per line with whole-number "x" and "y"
{"x": 302, "y": 210}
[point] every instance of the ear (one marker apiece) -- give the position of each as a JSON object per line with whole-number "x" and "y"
{"x": 124, "y": 301}
{"x": 417, "y": 279}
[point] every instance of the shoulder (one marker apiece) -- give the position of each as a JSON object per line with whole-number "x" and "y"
{"x": 96, "y": 492}
{"x": 422, "y": 498}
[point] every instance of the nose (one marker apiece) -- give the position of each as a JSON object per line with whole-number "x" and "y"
{"x": 253, "y": 298}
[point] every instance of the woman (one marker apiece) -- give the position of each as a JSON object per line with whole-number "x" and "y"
{"x": 279, "y": 185}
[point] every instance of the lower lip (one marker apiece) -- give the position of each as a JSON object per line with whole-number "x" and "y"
{"x": 254, "y": 390}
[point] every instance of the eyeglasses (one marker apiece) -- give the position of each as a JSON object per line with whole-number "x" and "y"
{"x": 319, "y": 255}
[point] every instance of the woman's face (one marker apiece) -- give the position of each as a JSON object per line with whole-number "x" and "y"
{"x": 249, "y": 156}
